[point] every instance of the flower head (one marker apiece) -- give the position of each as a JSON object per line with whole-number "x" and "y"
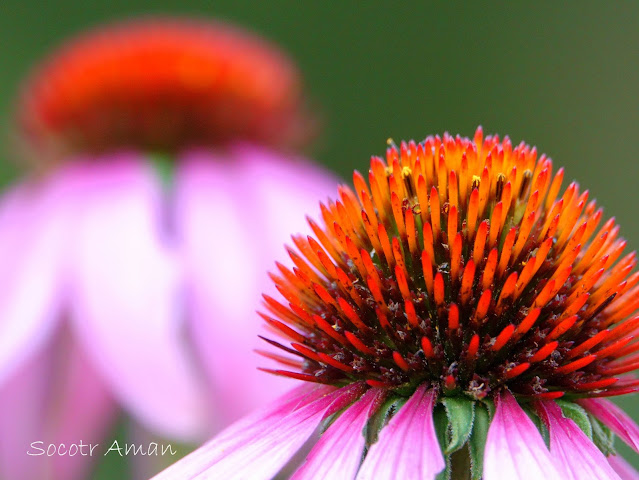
{"x": 451, "y": 300}
{"x": 161, "y": 84}
{"x": 460, "y": 265}
{"x": 112, "y": 275}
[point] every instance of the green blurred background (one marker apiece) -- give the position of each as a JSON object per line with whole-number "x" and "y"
{"x": 563, "y": 75}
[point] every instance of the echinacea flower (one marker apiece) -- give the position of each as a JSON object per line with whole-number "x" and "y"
{"x": 118, "y": 285}
{"x": 457, "y": 315}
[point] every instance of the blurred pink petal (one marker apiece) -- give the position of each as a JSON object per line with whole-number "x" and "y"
{"x": 23, "y": 412}
{"x": 56, "y": 398}
{"x": 230, "y": 215}
{"x": 623, "y": 468}
{"x": 32, "y": 229}
{"x": 283, "y": 192}
{"x": 614, "y": 418}
{"x": 407, "y": 446}
{"x": 514, "y": 447}
{"x": 125, "y": 297}
{"x": 98, "y": 239}
{"x": 572, "y": 451}
{"x": 337, "y": 454}
{"x": 222, "y": 286}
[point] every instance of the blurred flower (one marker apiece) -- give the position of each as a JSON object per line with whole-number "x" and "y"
{"x": 123, "y": 285}
{"x": 452, "y": 313}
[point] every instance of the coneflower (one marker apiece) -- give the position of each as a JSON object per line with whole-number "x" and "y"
{"x": 459, "y": 314}
{"x": 159, "y": 85}
{"x": 126, "y": 254}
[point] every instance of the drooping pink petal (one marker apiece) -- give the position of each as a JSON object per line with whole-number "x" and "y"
{"x": 244, "y": 430}
{"x": 85, "y": 410}
{"x": 57, "y": 399}
{"x": 260, "y": 445}
{"x": 125, "y": 295}
{"x": 338, "y": 453}
{"x": 22, "y": 412}
{"x": 572, "y": 451}
{"x": 408, "y": 446}
{"x": 231, "y": 231}
{"x": 33, "y": 221}
{"x": 287, "y": 190}
{"x": 514, "y": 447}
{"x": 221, "y": 260}
{"x": 623, "y": 468}
{"x": 614, "y": 418}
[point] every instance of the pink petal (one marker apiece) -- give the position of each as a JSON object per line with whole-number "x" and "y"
{"x": 56, "y": 398}
{"x": 222, "y": 270}
{"x": 623, "y": 468}
{"x": 232, "y": 231}
{"x": 407, "y": 446}
{"x": 243, "y": 431}
{"x": 614, "y": 418}
{"x": 22, "y": 416}
{"x": 86, "y": 410}
{"x": 259, "y": 446}
{"x": 514, "y": 447}
{"x": 338, "y": 453}
{"x": 125, "y": 296}
{"x": 572, "y": 451}
{"x": 32, "y": 235}
{"x": 286, "y": 190}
